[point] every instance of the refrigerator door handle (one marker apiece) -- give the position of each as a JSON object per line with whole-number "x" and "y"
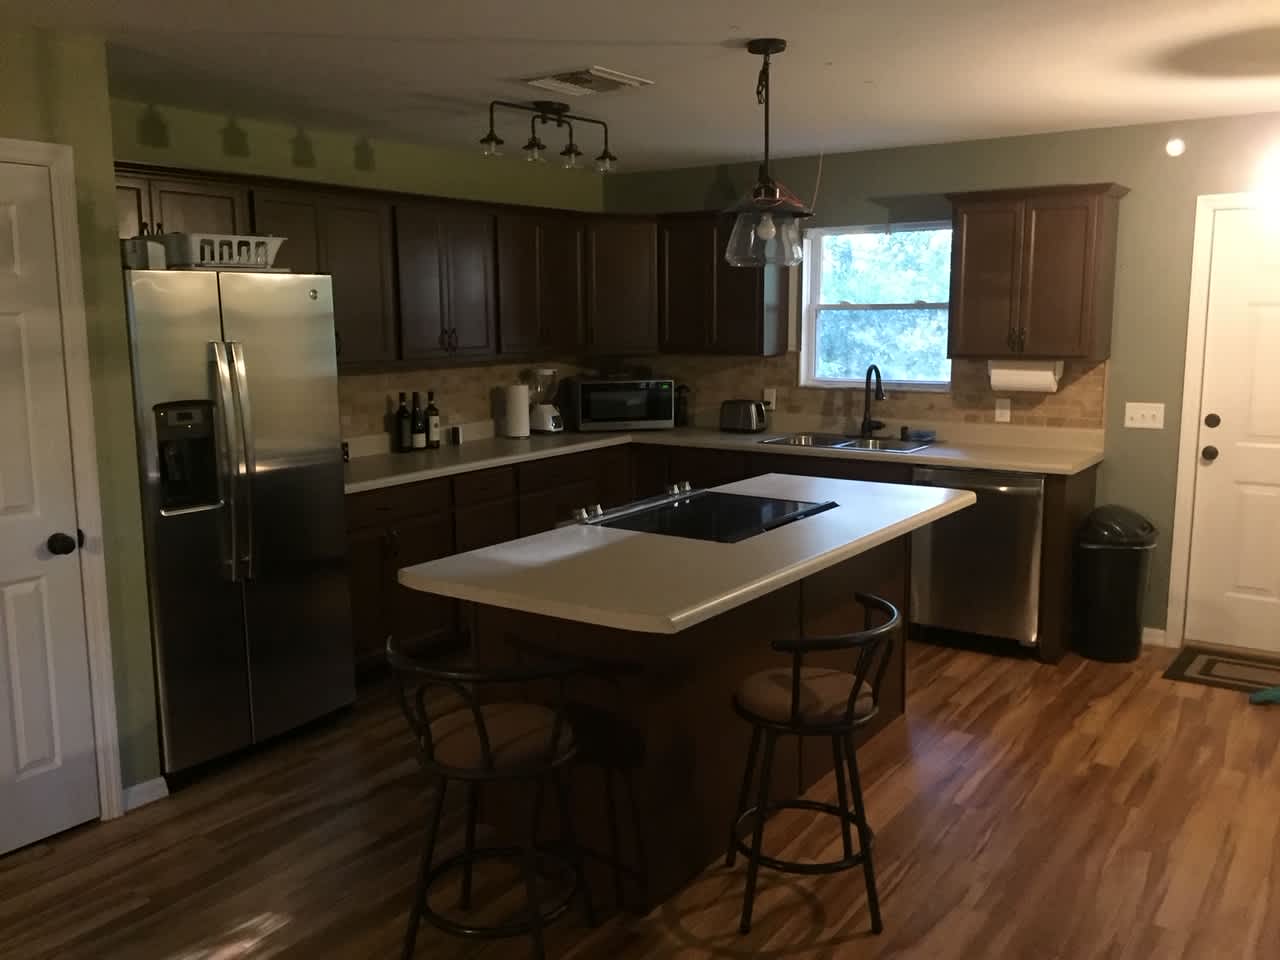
{"x": 248, "y": 462}
{"x": 229, "y": 457}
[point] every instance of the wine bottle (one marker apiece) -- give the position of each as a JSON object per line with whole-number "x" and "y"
{"x": 404, "y": 429}
{"x": 419, "y": 422}
{"x": 433, "y": 422}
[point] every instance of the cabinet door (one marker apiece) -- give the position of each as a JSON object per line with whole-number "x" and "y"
{"x": 469, "y": 252}
{"x": 194, "y": 206}
{"x": 419, "y": 619}
{"x": 422, "y": 291}
{"x": 688, "y": 250}
{"x": 560, "y": 278}
{"x": 622, "y": 288}
{"x": 355, "y": 247}
{"x": 649, "y": 470}
{"x": 519, "y": 292}
{"x": 1058, "y": 275}
{"x": 133, "y": 205}
{"x": 296, "y": 217}
{"x": 366, "y": 565}
{"x": 986, "y": 272}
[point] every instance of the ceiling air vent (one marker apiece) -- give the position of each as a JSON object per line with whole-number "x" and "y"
{"x": 579, "y": 83}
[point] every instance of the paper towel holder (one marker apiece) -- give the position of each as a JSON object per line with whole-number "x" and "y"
{"x": 1025, "y": 376}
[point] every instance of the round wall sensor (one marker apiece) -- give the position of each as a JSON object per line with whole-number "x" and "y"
{"x": 1175, "y": 147}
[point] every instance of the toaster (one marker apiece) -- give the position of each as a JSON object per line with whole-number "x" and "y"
{"x": 743, "y": 416}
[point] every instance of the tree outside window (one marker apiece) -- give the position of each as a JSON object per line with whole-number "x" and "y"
{"x": 881, "y": 297}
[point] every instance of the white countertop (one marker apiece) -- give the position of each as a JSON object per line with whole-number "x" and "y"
{"x": 390, "y": 469}
{"x": 652, "y": 583}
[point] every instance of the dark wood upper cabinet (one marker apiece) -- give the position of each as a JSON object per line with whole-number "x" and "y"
{"x": 133, "y": 205}
{"x": 355, "y": 246}
{"x": 447, "y": 292}
{"x": 709, "y": 306}
{"x": 687, "y": 247}
{"x": 198, "y": 206}
{"x": 622, "y": 286}
{"x": 539, "y": 283}
{"x": 1033, "y": 272}
{"x": 349, "y": 237}
{"x": 295, "y": 216}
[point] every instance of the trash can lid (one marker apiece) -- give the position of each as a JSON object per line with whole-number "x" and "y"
{"x": 1116, "y": 526}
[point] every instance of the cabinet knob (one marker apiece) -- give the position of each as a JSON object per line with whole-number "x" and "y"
{"x": 1210, "y": 453}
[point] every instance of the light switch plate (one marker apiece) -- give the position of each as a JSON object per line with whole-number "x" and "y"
{"x": 1003, "y": 410}
{"x": 1144, "y": 416}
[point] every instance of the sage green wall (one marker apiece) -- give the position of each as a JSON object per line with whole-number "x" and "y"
{"x": 1153, "y": 260}
{"x": 195, "y": 140}
{"x": 54, "y": 88}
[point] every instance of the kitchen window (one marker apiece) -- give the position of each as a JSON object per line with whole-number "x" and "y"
{"x": 877, "y": 295}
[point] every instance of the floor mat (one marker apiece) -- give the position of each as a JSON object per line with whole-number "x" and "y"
{"x": 1216, "y": 669}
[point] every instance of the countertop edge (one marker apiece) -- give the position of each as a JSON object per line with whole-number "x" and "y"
{"x": 1077, "y": 460}
{"x": 684, "y": 619}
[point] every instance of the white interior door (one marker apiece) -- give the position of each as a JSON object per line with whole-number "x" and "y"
{"x": 1233, "y": 590}
{"x": 48, "y": 772}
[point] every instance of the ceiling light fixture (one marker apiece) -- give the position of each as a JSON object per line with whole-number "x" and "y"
{"x": 1176, "y": 147}
{"x": 767, "y": 228}
{"x": 557, "y": 114}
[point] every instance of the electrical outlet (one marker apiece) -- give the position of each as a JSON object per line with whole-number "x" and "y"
{"x": 1144, "y": 416}
{"x": 1004, "y": 410}
{"x": 770, "y": 397}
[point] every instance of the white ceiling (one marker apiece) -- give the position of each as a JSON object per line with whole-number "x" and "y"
{"x": 857, "y": 73}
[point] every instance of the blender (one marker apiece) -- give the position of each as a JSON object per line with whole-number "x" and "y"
{"x": 543, "y": 415}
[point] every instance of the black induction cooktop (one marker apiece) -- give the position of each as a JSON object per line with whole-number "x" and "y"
{"x": 711, "y": 515}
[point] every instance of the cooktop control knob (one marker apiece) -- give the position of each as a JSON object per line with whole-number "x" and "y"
{"x": 595, "y": 510}
{"x": 686, "y": 486}
{"x": 673, "y": 488}
{"x": 578, "y": 514}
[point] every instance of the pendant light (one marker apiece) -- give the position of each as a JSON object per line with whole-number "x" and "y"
{"x": 766, "y": 231}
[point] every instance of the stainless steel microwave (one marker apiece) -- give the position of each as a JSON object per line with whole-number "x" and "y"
{"x": 618, "y": 404}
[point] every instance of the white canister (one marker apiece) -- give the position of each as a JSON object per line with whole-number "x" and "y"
{"x": 515, "y": 420}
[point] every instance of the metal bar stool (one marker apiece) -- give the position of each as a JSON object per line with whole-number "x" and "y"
{"x": 814, "y": 702}
{"x": 482, "y": 742}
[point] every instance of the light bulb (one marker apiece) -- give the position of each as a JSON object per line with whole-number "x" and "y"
{"x": 535, "y": 155}
{"x": 766, "y": 230}
{"x": 1176, "y": 147}
{"x": 491, "y": 150}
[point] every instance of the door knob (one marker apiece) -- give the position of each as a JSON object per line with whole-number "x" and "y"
{"x": 1209, "y": 453}
{"x": 60, "y": 543}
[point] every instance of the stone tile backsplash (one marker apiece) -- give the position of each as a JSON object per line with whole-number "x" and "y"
{"x": 465, "y": 394}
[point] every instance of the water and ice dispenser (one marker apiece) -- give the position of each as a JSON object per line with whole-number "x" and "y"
{"x": 187, "y": 453}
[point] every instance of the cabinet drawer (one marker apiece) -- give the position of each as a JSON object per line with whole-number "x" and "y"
{"x": 483, "y": 485}
{"x": 552, "y": 472}
{"x": 377, "y": 507}
{"x": 485, "y": 524}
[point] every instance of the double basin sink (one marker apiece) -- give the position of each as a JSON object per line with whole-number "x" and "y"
{"x": 838, "y": 441}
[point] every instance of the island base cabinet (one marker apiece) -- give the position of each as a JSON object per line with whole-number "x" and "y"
{"x": 673, "y": 693}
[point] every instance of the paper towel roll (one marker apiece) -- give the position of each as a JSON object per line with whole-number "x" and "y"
{"x": 1026, "y": 376}
{"x": 515, "y": 420}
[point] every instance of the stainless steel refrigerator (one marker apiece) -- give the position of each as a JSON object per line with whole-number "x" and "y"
{"x": 235, "y": 391}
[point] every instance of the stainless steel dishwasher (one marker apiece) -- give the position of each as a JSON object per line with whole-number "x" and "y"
{"x": 978, "y": 571}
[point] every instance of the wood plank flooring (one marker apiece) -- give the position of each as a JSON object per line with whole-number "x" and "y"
{"x": 1022, "y": 810}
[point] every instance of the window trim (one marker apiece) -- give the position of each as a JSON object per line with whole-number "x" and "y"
{"x": 812, "y": 277}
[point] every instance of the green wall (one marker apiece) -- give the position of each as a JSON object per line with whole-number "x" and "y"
{"x": 195, "y": 140}
{"x": 54, "y": 88}
{"x": 1154, "y": 257}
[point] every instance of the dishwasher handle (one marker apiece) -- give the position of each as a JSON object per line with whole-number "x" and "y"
{"x": 980, "y": 481}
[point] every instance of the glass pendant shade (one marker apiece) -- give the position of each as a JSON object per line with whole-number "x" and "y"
{"x": 762, "y": 238}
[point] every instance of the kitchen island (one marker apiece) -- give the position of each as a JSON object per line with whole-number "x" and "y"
{"x": 675, "y": 625}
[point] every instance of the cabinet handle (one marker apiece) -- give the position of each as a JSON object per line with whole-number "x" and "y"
{"x": 393, "y": 542}
{"x": 1011, "y": 341}
{"x": 1022, "y": 340}
{"x": 453, "y": 340}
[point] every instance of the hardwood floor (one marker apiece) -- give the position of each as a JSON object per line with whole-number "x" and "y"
{"x": 1022, "y": 810}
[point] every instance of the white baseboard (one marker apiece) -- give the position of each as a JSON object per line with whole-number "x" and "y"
{"x": 140, "y": 794}
{"x": 1155, "y": 637}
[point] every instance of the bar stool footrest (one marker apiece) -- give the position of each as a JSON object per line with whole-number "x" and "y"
{"x": 792, "y": 866}
{"x": 499, "y": 931}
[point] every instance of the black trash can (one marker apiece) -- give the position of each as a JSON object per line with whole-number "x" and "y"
{"x": 1112, "y": 553}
